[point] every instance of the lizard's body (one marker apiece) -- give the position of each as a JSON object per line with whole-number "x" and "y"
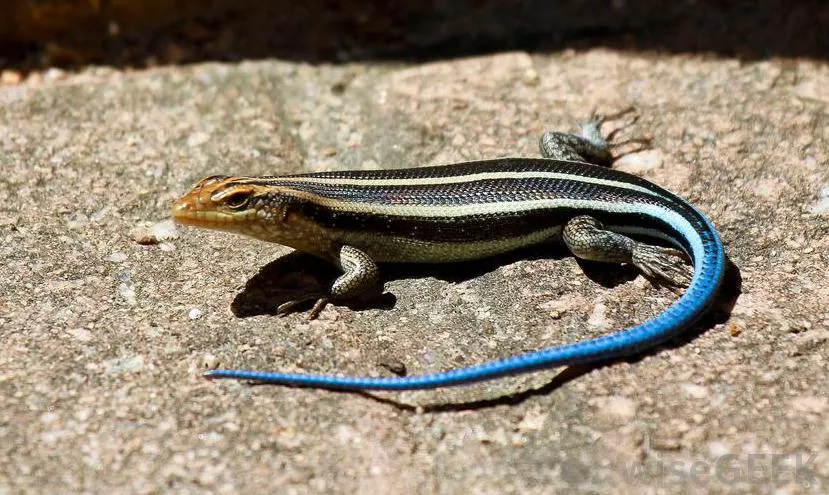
{"x": 469, "y": 211}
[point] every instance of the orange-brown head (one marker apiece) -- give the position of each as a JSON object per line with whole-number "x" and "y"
{"x": 216, "y": 202}
{"x": 251, "y": 207}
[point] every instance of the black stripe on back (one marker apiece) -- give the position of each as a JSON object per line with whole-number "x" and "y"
{"x": 482, "y": 166}
{"x": 467, "y": 193}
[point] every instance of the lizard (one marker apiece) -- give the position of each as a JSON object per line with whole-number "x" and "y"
{"x": 469, "y": 211}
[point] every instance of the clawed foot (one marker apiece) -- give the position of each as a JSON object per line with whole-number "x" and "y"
{"x": 289, "y": 307}
{"x": 663, "y": 264}
{"x": 597, "y": 120}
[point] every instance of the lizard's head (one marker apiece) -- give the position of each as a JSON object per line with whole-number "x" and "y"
{"x": 234, "y": 204}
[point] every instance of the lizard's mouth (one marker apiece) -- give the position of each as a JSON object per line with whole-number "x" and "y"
{"x": 184, "y": 215}
{"x": 184, "y": 212}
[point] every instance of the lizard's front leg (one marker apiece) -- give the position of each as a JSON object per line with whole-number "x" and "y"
{"x": 588, "y": 144}
{"x": 360, "y": 277}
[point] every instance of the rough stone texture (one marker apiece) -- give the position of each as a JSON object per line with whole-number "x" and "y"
{"x": 104, "y": 336}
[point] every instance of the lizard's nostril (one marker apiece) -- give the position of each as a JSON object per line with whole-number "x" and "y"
{"x": 181, "y": 208}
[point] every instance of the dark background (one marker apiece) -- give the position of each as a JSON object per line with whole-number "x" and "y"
{"x": 69, "y": 33}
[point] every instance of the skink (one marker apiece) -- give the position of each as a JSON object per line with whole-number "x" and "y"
{"x": 467, "y": 211}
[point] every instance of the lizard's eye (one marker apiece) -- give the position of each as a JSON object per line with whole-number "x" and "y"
{"x": 237, "y": 199}
{"x": 234, "y": 197}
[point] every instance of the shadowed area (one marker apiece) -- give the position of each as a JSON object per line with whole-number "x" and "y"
{"x": 296, "y": 275}
{"x": 121, "y": 32}
{"x": 729, "y": 293}
{"x": 299, "y": 276}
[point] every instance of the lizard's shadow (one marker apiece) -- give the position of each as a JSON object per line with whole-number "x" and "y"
{"x": 296, "y": 275}
{"x": 729, "y": 293}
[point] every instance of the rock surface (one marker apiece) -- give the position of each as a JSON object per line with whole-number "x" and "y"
{"x": 104, "y": 338}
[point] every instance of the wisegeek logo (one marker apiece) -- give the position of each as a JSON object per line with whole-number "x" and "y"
{"x": 754, "y": 469}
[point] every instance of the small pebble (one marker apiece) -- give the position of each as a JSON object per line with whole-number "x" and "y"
{"x": 598, "y": 317}
{"x": 197, "y": 139}
{"x": 10, "y": 77}
{"x": 533, "y": 421}
{"x": 126, "y": 289}
{"x": 124, "y": 365}
{"x": 640, "y": 163}
{"x": 54, "y": 74}
{"x": 194, "y": 314}
{"x": 117, "y": 257}
{"x": 77, "y": 221}
{"x": 615, "y": 408}
{"x": 694, "y": 391}
{"x": 80, "y": 334}
{"x": 396, "y": 366}
{"x": 718, "y": 449}
{"x": 822, "y": 204}
{"x": 146, "y": 234}
{"x": 209, "y": 361}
